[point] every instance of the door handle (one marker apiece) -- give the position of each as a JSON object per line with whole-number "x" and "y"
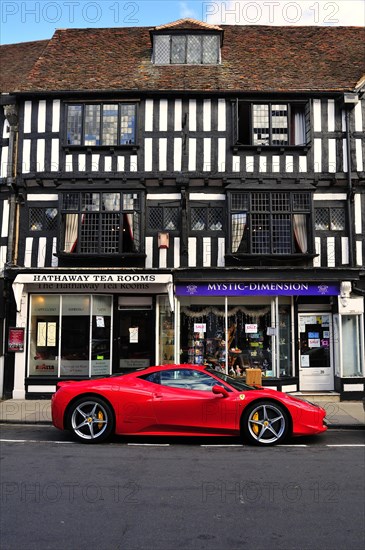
{"x": 157, "y": 395}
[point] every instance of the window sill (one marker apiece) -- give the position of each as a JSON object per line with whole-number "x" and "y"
{"x": 95, "y": 148}
{"x": 262, "y": 148}
{"x": 268, "y": 259}
{"x": 70, "y": 255}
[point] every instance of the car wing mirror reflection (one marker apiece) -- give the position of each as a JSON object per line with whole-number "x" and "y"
{"x": 219, "y": 390}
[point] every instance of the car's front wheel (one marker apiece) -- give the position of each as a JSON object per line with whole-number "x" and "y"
{"x": 265, "y": 423}
{"x": 90, "y": 419}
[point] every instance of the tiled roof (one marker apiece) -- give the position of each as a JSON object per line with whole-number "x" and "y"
{"x": 16, "y": 61}
{"x": 254, "y": 59}
{"x": 187, "y": 24}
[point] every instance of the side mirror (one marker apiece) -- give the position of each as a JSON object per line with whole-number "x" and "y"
{"x": 219, "y": 390}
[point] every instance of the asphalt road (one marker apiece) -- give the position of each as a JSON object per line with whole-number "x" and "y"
{"x": 168, "y": 494}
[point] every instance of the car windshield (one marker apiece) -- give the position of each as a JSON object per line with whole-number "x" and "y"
{"x": 236, "y": 384}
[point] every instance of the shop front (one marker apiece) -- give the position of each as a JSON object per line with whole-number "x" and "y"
{"x": 82, "y": 325}
{"x": 284, "y": 329}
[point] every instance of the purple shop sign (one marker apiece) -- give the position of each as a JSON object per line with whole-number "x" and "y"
{"x": 258, "y": 289}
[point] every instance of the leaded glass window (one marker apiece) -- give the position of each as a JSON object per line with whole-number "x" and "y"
{"x": 270, "y": 223}
{"x": 101, "y": 124}
{"x": 165, "y": 218}
{"x": 179, "y": 49}
{"x": 271, "y": 124}
{"x": 206, "y": 218}
{"x": 101, "y": 223}
{"x": 42, "y": 219}
{"x": 330, "y": 219}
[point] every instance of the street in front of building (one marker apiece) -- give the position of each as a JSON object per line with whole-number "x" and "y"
{"x": 165, "y": 493}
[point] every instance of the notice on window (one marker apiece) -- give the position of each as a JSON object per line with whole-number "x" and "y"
{"x": 41, "y": 334}
{"x": 314, "y": 343}
{"x": 133, "y": 335}
{"x": 325, "y": 320}
{"x": 51, "y": 334}
{"x": 304, "y": 360}
{"x": 250, "y": 329}
{"x": 100, "y": 321}
{"x": 200, "y": 327}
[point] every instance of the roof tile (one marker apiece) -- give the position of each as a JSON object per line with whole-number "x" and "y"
{"x": 254, "y": 59}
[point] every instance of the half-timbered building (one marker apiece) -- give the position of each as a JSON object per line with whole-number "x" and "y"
{"x": 187, "y": 193}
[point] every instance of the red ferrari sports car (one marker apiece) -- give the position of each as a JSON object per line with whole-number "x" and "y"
{"x": 181, "y": 400}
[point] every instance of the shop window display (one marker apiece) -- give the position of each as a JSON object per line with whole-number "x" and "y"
{"x": 166, "y": 327}
{"x": 285, "y": 344}
{"x": 60, "y": 340}
{"x": 249, "y": 337}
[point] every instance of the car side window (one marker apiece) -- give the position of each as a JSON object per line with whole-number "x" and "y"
{"x": 188, "y": 380}
{"x": 154, "y": 378}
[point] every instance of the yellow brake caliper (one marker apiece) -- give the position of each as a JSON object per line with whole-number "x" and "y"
{"x": 100, "y": 417}
{"x": 255, "y": 427}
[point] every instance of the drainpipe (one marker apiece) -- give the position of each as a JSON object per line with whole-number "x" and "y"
{"x": 349, "y": 102}
{"x": 11, "y": 114}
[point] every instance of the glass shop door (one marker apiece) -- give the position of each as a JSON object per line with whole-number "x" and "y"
{"x": 135, "y": 339}
{"x": 316, "y": 371}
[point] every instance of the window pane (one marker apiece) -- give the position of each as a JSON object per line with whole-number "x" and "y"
{"x": 240, "y": 201}
{"x": 35, "y": 219}
{"x": 210, "y": 49}
{"x": 351, "y": 342}
{"x": 282, "y": 235}
{"x": 322, "y": 219}
{"x": 171, "y": 219}
{"x": 215, "y": 219}
{"x": 260, "y": 202}
{"x": 162, "y": 49}
{"x": 137, "y": 232}
{"x": 155, "y": 218}
{"x": 50, "y": 221}
{"x": 70, "y": 201}
{"x": 337, "y": 219}
{"x": 92, "y": 124}
{"x": 101, "y": 344}
{"x": 90, "y": 201}
{"x": 261, "y": 125}
{"x": 130, "y": 201}
{"x": 74, "y": 124}
{"x": 127, "y": 124}
{"x": 239, "y": 233}
{"x": 43, "y": 341}
{"x": 279, "y": 124}
{"x": 75, "y": 342}
{"x": 131, "y": 232}
{"x": 110, "y": 202}
{"x": 70, "y": 228}
{"x": 110, "y": 230}
{"x": 194, "y": 49}
{"x": 281, "y": 202}
{"x": 198, "y": 221}
{"x": 301, "y": 201}
{"x": 89, "y": 236}
{"x": 244, "y": 133}
{"x": 178, "y": 49}
{"x": 298, "y": 129}
{"x": 260, "y": 233}
{"x": 110, "y": 125}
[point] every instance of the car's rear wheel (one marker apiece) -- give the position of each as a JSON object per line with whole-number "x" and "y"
{"x": 265, "y": 423}
{"x": 90, "y": 419}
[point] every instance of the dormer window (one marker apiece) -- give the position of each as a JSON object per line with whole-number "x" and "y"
{"x": 186, "y": 49}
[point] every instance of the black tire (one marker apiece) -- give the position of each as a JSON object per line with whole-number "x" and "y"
{"x": 265, "y": 423}
{"x": 91, "y": 419}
